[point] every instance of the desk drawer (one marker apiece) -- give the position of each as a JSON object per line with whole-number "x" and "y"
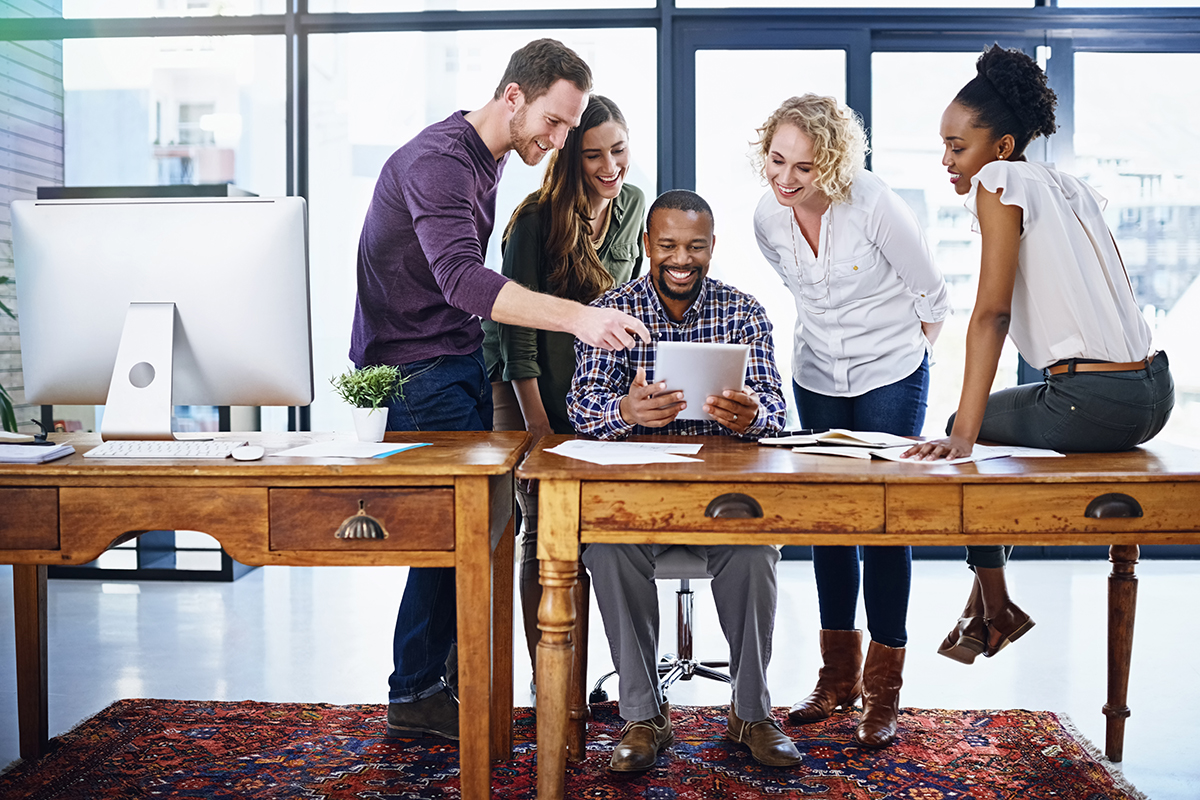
{"x": 1060, "y": 507}
{"x": 29, "y": 520}
{"x": 666, "y": 506}
{"x": 415, "y": 518}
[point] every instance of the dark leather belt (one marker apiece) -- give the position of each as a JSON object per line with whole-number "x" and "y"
{"x": 1098, "y": 366}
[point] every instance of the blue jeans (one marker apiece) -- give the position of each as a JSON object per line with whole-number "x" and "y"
{"x": 897, "y": 408}
{"x": 447, "y": 393}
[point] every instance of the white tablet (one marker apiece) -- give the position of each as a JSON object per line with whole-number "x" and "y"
{"x": 700, "y": 370}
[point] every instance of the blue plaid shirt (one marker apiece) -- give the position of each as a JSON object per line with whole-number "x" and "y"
{"x": 720, "y": 314}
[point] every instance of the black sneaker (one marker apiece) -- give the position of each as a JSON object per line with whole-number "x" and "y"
{"x": 436, "y": 715}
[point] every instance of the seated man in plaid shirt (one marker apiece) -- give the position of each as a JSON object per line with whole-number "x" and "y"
{"x": 614, "y": 395}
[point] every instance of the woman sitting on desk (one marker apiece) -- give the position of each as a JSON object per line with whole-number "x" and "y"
{"x": 869, "y": 304}
{"x": 1051, "y": 278}
{"x": 576, "y": 237}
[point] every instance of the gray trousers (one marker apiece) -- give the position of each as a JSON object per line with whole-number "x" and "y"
{"x": 1092, "y": 412}
{"x": 743, "y": 586}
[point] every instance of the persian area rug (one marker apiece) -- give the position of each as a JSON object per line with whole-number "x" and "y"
{"x": 248, "y": 750}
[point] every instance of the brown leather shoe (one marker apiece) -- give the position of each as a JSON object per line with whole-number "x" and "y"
{"x": 882, "y": 677}
{"x": 966, "y": 641}
{"x": 1009, "y": 624}
{"x": 767, "y": 742}
{"x": 839, "y": 683}
{"x": 640, "y": 742}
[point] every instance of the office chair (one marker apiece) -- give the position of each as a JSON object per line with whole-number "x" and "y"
{"x": 682, "y": 563}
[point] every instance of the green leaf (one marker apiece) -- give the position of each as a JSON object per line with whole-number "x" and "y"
{"x": 8, "y": 419}
{"x": 4, "y": 308}
{"x": 369, "y": 387}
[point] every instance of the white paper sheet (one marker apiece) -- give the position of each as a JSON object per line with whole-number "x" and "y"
{"x": 845, "y": 451}
{"x": 978, "y": 453}
{"x": 347, "y": 450}
{"x": 626, "y": 452}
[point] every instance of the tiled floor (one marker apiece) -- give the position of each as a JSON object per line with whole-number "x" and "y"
{"x": 324, "y": 634}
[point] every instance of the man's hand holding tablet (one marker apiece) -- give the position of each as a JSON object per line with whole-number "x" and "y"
{"x": 650, "y": 405}
{"x": 706, "y": 372}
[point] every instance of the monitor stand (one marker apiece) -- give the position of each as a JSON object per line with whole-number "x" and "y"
{"x": 139, "y": 397}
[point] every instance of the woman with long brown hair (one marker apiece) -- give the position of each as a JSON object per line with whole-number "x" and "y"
{"x": 576, "y": 237}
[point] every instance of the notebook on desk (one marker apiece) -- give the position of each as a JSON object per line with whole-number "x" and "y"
{"x": 33, "y": 454}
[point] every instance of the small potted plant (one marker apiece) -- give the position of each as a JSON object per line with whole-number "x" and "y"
{"x": 367, "y": 390}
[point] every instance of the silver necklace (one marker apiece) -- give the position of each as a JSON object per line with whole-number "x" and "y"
{"x": 826, "y": 263}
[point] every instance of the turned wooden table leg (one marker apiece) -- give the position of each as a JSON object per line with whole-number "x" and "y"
{"x": 556, "y": 621}
{"x": 1122, "y": 606}
{"x": 29, "y": 612}
{"x": 577, "y": 706}
{"x": 558, "y": 556}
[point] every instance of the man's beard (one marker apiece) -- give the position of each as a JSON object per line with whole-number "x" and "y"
{"x": 688, "y": 296}
{"x": 526, "y": 146}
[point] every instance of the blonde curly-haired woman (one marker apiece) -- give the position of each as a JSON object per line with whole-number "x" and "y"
{"x": 869, "y": 304}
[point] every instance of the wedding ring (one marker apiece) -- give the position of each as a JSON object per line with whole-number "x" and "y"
{"x": 735, "y": 417}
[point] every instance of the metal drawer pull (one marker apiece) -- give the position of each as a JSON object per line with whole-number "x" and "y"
{"x": 361, "y": 526}
{"x": 1113, "y": 505}
{"x": 734, "y": 505}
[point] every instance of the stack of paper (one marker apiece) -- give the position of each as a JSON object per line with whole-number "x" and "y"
{"x": 33, "y": 453}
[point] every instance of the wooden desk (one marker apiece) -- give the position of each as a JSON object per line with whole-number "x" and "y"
{"x": 837, "y": 501}
{"x": 448, "y": 505}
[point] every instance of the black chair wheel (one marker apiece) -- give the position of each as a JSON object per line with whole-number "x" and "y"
{"x": 598, "y": 696}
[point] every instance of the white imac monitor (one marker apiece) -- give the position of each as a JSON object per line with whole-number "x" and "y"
{"x": 144, "y": 304}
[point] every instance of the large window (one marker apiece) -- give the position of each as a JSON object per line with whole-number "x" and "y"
{"x": 907, "y": 154}
{"x": 98, "y": 9}
{"x": 160, "y": 111}
{"x": 206, "y": 100}
{"x": 727, "y": 173}
{"x": 1148, "y": 168}
{"x": 372, "y": 92}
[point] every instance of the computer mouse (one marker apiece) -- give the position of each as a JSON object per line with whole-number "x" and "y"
{"x": 247, "y": 452}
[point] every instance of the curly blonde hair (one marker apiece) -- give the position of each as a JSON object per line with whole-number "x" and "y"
{"x": 839, "y": 142}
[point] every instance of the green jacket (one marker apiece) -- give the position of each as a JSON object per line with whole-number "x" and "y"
{"x": 513, "y": 352}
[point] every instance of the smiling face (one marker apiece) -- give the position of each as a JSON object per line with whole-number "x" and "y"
{"x": 679, "y": 245}
{"x": 541, "y": 126}
{"x": 789, "y": 170}
{"x": 605, "y": 152}
{"x": 969, "y": 148}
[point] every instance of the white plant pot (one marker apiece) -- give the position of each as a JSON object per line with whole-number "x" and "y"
{"x": 370, "y": 423}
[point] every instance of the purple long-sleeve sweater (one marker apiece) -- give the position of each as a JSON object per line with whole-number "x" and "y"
{"x": 422, "y": 285}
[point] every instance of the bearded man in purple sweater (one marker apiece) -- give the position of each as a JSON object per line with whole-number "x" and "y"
{"x": 422, "y": 289}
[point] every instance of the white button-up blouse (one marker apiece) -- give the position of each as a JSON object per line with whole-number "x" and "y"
{"x": 1071, "y": 298}
{"x": 861, "y": 299}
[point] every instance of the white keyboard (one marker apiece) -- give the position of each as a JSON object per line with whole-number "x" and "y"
{"x": 163, "y": 449}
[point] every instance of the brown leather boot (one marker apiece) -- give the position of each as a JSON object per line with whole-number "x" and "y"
{"x": 968, "y": 638}
{"x": 768, "y": 743}
{"x": 839, "y": 683}
{"x": 640, "y": 742}
{"x": 1005, "y": 621}
{"x": 882, "y": 677}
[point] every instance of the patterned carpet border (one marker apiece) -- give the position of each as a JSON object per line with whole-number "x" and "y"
{"x": 252, "y": 751}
